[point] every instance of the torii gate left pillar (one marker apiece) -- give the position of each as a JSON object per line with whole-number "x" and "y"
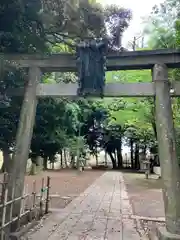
{"x": 24, "y": 135}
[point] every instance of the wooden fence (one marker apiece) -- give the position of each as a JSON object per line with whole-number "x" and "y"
{"x": 33, "y": 205}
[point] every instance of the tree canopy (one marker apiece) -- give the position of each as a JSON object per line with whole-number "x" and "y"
{"x": 45, "y": 27}
{"x": 57, "y": 26}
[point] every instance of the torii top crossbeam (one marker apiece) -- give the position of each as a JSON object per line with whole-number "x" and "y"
{"x": 117, "y": 61}
{"x": 120, "y": 61}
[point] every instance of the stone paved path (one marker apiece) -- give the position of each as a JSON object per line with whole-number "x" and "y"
{"x": 102, "y": 212}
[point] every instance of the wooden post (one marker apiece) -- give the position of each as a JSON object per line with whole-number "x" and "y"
{"x": 167, "y": 153}
{"x": 4, "y": 208}
{"x": 24, "y": 135}
{"x": 47, "y": 196}
{"x": 105, "y": 157}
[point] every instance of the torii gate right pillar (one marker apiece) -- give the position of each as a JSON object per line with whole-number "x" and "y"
{"x": 167, "y": 154}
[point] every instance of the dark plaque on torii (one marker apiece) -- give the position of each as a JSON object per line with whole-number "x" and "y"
{"x": 91, "y": 63}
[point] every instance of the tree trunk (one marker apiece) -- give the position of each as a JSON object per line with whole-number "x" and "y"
{"x": 113, "y": 160}
{"x": 39, "y": 164}
{"x": 73, "y": 161}
{"x": 132, "y": 153}
{"x": 65, "y": 158}
{"x": 3, "y": 169}
{"x": 97, "y": 162}
{"x": 153, "y": 122}
{"x": 119, "y": 155}
{"x": 105, "y": 158}
{"x": 154, "y": 128}
{"x": 61, "y": 155}
{"x": 144, "y": 150}
{"x": 33, "y": 170}
{"x": 45, "y": 161}
{"x": 7, "y": 161}
{"x": 137, "y": 163}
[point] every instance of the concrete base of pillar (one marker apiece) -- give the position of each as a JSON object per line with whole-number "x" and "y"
{"x": 163, "y": 234}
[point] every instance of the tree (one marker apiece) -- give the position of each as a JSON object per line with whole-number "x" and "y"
{"x": 117, "y": 20}
{"x": 72, "y": 19}
{"x": 9, "y": 114}
{"x": 21, "y": 37}
{"x": 134, "y": 115}
{"x": 160, "y": 26}
{"x": 18, "y": 37}
{"x": 28, "y": 19}
{"x": 163, "y": 32}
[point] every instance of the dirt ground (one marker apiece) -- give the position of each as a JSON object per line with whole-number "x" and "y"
{"x": 146, "y": 200}
{"x": 145, "y": 195}
{"x": 65, "y": 184}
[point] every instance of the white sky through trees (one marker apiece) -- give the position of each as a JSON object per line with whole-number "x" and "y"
{"x": 140, "y": 8}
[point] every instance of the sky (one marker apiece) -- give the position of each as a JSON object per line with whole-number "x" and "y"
{"x": 140, "y": 8}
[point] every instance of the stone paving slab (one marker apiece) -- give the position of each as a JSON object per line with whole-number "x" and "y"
{"x": 102, "y": 212}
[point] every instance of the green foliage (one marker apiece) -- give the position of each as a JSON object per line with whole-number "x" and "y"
{"x": 55, "y": 26}
{"x": 129, "y": 76}
{"x": 163, "y": 31}
{"x": 31, "y": 31}
{"x": 134, "y": 110}
{"x": 72, "y": 115}
{"x": 26, "y": 33}
{"x": 77, "y": 145}
{"x": 48, "y": 137}
{"x": 160, "y": 26}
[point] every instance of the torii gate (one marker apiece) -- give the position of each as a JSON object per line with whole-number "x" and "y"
{"x": 159, "y": 61}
